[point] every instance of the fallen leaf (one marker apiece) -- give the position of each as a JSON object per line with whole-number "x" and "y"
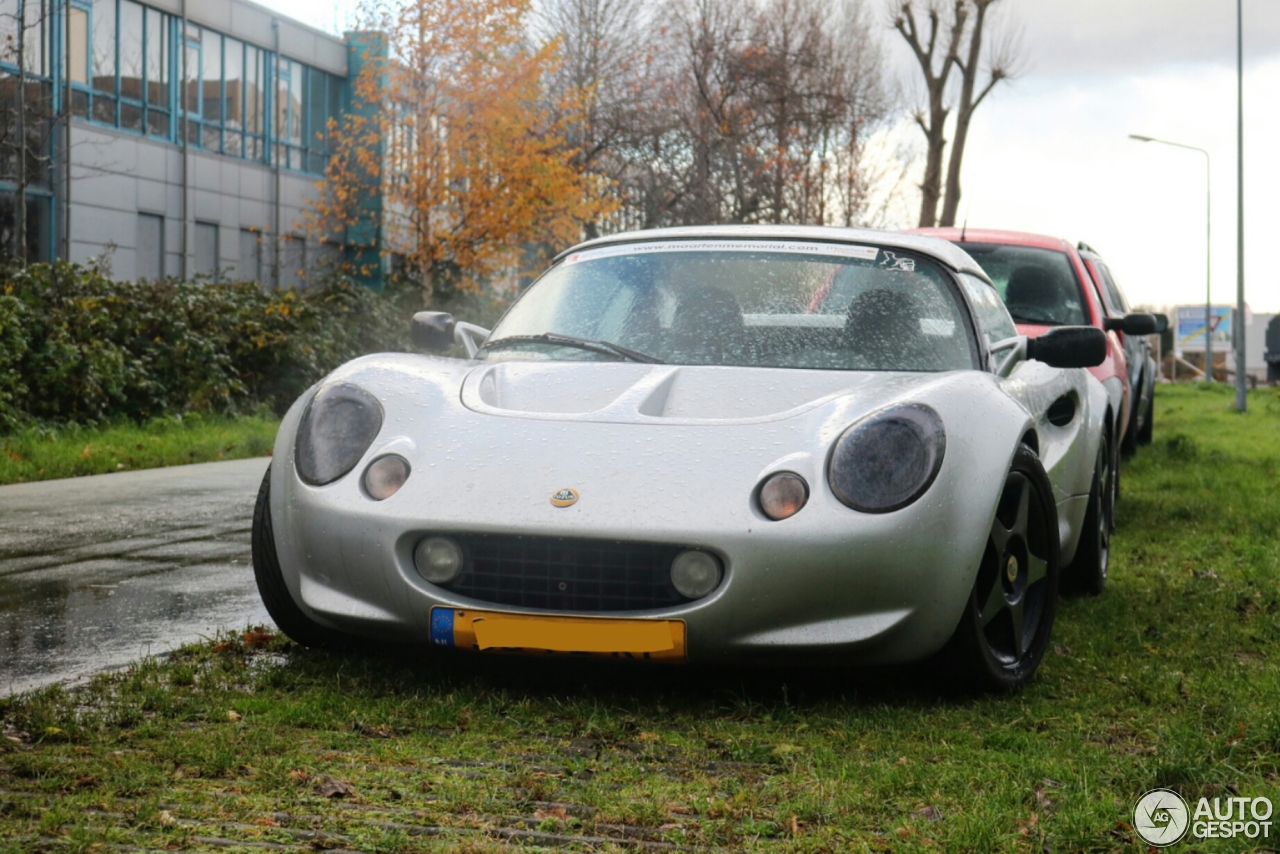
{"x": 257, "y": 636}
{"x": 795, "y": 826}
{"x": 166, "y": 819}
{"x": 234, "y": 716}
{"x": 556, "y": 812}
{"x": 902, "y": 760}
{"x": 87, "y": 452}
{"x": 648, "y": 736}
{"x": 929, "y": 814}
{"x": 372, "y": 732}
{"x": 297, "y": 775}
{"x": 329, "y": 787}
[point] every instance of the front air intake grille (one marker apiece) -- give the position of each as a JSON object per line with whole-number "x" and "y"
{"x": 567, "y": 575}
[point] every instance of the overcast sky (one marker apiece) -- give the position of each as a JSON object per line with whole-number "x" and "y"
{"x": 1050, "y": 152}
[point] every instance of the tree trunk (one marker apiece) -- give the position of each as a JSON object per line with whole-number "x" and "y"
{"x": 964, "y": 114}
{"x": 931, "y": 186}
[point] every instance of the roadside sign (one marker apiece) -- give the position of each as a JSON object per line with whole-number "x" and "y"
{"x": 1190, "y": 332}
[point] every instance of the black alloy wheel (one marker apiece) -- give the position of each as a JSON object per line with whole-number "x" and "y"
{"x": 1005, "y": 628}
{"x": 1087, "y": 572}
{"x": 1148, "y": 422}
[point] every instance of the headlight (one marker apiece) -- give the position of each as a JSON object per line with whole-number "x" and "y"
{"x": 339, "y": 425}
{"x": 887, "y": 460}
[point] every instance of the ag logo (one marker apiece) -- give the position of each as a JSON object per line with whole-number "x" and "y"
{"x": 565, "y": 497}
{"x": 1161, "y": 817}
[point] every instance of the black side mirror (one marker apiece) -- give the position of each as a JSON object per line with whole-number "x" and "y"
{"x": 1162, "y": 323}
{"x": 432, "y": 331}
{"x": 1069, "y": 347}
{"x": 1133, "y": 323}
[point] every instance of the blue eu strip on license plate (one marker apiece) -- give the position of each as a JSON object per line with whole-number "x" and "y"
{"x": 442, "y": 626}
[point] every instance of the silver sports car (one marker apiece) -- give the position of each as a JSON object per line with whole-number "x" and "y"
{"x": 720, "y": 444}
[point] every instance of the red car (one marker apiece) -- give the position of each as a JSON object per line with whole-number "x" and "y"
{"x": 1044, "y": 283}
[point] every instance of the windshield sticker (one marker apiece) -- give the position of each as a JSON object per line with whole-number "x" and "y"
{"x": 893, "y": 262}
{"x": 839, "y": 250}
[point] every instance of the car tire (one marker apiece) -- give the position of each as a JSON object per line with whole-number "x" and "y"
{"x": 271, "y": 587}
{"x": 1148, "y": 423}
{"x": 1087, "y": 572}
{"x": 1008, "y": 617}
{"x": 1129, "y": 441}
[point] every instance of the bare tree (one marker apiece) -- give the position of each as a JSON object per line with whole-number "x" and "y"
{"x": 951, "y": 38}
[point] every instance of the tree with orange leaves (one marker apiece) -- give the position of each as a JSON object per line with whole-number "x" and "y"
{"x": 451, "y": 119}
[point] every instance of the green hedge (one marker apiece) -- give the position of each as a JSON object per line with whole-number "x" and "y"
{"x": 78, "y": 347}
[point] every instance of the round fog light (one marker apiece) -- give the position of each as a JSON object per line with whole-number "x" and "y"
{"x": 385, "y": 475}
{"x": 439, "y": 559}
{"x": 783, "y": 495}
{"x": 695, "y": 574}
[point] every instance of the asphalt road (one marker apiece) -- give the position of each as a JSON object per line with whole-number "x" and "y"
{"x": 96, "y": 572}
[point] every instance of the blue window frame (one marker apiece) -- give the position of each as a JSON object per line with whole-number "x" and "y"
{"x": 124, "y": 59}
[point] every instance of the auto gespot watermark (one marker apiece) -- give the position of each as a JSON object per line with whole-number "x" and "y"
{"x": 1162, "y": 818}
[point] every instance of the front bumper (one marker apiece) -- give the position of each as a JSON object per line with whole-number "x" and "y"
{"x": 829, "y": 584}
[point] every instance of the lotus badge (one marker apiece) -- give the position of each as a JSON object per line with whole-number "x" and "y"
{"x": 564, "y": 497}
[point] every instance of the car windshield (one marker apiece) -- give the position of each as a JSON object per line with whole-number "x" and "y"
{"x": 747, "y": 303}
{"x": 1037, "y": 285}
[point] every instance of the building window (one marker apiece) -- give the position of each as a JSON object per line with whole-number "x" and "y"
{"x": 223, "y": 96}
{"x": 118, "y": 62}
{"x": 305, "y": 101}
{"x": 206, "y": 255}
{"x": 149, "y": 255}
{"x": 121, "y": 63}
{"x": 37, "y": 226}
{"x": 250, "y": 266}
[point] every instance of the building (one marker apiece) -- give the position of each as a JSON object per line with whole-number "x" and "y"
{"x": 196, "y": 135}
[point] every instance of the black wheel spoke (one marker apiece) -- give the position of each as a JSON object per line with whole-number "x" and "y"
{"x": 1000, "y": 536}
{"x": 1020, "y": 522}
{"x": 995, "y": 603}
{"x": 1017, "y": 613}
{"x": 1037, "y": 569}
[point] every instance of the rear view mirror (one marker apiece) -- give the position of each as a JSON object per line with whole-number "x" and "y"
{"x": 432, "y": 331}
{"x": 1070, "y": 347}
{"x": 1133, "y": 323}
{"x": 1162, "y": 323}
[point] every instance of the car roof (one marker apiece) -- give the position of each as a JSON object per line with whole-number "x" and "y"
{"x": 940, "y": 250}
{"x": 996, "y": 235}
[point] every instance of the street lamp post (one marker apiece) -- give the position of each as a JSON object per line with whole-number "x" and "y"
{"x": 1208, "y": 248}
{"x": 1239, "y": 326}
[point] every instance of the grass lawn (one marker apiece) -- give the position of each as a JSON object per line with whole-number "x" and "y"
{"x": 46, "y": 454}
{"x": 1171, "y": 678}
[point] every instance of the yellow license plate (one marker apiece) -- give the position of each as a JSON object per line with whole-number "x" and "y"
{"x": 495, "y": 631}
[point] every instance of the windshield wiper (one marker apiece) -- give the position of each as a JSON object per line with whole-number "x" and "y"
{"x": 607, "y": 348}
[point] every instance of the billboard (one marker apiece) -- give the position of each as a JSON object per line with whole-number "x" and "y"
{"x": 1189, "y": 335}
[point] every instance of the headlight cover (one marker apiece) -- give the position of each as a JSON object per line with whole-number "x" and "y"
{"x": 338, "y": 426}
{"x": 888, "y": 459}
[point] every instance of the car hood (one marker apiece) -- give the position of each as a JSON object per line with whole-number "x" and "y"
{"x": 656, "y": 394}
